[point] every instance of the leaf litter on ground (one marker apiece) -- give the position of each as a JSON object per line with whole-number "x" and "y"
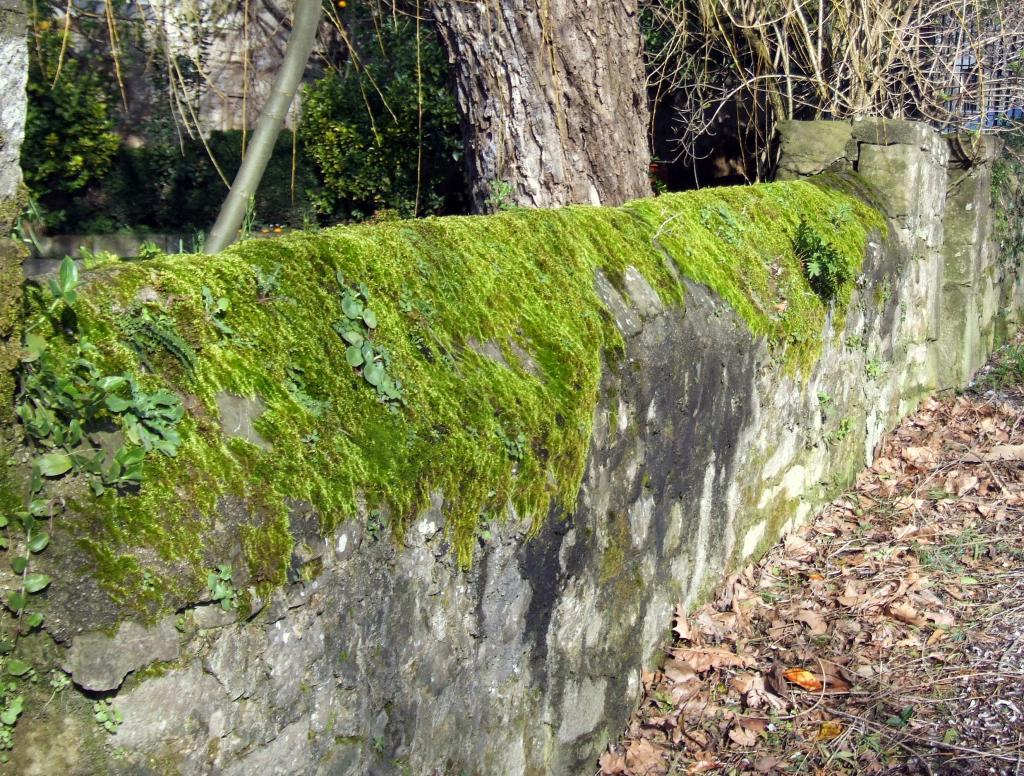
{"x": 887, "y": 636}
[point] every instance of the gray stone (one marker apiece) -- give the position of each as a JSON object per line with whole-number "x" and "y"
{"x": 100, "y": 662}
{"x": 237, "y": 416}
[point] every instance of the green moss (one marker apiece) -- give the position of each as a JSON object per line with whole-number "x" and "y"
{"x": 522, "y": 280}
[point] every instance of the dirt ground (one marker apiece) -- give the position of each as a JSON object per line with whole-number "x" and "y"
{"x": 885, "y": 637}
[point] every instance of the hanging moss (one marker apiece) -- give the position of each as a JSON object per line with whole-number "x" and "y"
{"x": 445, "y": 291}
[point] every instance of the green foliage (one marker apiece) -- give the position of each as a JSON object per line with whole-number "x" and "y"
{"x": 107, "y": 716}
{"x": 370, "y": 360}
{"x": 1007, "y": 371}
{"x": 69, "y": 137}
{"x": 221, "y": 587}
{"x": 361, "y": 126}
{"x": 827, "y": 269}
{"x": 216, "y": 308}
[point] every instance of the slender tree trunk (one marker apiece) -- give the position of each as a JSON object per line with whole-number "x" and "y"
{"x": 553, "y": 99}
{"x": 13, "y": 75}
{"x": 305, "y": 20}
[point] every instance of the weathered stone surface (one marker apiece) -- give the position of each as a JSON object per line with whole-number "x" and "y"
{"x": 237, "y": 415}
{"x": 384, "y": 657}
{"x": 100, "y": 662}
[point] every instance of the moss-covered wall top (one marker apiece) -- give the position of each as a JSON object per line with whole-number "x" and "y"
{"x": 359, "y": 370}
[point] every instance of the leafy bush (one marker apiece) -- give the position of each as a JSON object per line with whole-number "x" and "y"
{"x": 826, "y": 268}
{"x": 69, "y": 137}
{"x": 362, "y": 129}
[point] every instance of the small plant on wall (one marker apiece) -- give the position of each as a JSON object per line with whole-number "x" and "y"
{"x": 826, "y": 268}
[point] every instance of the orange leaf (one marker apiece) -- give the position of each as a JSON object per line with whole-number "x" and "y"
{"x": 803, "y": 678}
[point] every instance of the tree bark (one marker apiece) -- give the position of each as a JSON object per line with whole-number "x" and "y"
{"x": 553, "y": 99}
{"x": 13, "y": 75}
{"x": 13, "y": 105}
{"x": 305, "y": 20}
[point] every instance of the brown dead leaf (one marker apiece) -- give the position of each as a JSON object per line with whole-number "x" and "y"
{"x": 1004, "y": 453}
{"x": 707, "y": 658}
{"x": 612, "y": 764}
{"x": 804, "y": 679}
{"x": 812, "y": 620}
{"x": 742, "y": 736}
{"x": 681, "y": 627}
{"x": 644, "y": 758}
{"x": 906, "y": 613}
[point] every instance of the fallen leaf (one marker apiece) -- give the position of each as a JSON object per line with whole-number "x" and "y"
{"x": 804, "y": 678}
{"x": 701, "y": 660}
{"x": 612, "y": 764}
{"x": 742, "y": 736}
{"x": 829, "y": 730}
{"x": 644, "y": 758}
{"x": 1005, "y": 453}
{"x": 906, "y": 613}
{"x": 681, "y": 627}
{"x": 812, "y": 620}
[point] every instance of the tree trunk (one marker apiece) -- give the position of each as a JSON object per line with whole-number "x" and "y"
{"x": 553, "y": 99}
{"x": 13, "y": 75}
{"x": 305, "y": 20}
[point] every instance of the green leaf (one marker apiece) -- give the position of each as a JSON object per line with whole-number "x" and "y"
{"x": 53, "y": 464}
{"x": 10, "y": 714}
{"x": 35, "y": 619}
{"x": 35, "y": 345}
{"x": 17, "y": 667}
{"x": 6, "y": 647}
{"x": 16, "y": 601}
{"x": 370, "y": 318}
{"x": 374, "y": 373}
{"x": 352, "y": 307}
{"x": 353, "y": 338}
{"x": 3, "y": 521}
{"x": 38, "y": 542}
{"x": 354, "y": 356}
{"x": 19, "y": 564}
{"x": 36, "y": 582}
{"x": 68, "y": 274}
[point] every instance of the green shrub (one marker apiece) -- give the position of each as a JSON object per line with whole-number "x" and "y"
{"x": 362, "y": 129}
{"x": 69, "y": 138}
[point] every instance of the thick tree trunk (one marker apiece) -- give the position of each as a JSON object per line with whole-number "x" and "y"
{"x": 553, "y": 99}
{"x": 13, "y": 75}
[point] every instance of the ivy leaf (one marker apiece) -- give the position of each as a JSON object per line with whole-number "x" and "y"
{"x": 35, "y": 619}
{"x": 38, "y": 542}
{"x": 353, "y": 338}
{"x": 370, "y": 318}
{"x": 16, "y": 601}
{"x": 36, "y": 582}
{"x": 54, "y": 464}
{"x": 19, "y": 564}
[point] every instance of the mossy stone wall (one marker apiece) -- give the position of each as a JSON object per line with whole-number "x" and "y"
{"x": 605, "y": 411}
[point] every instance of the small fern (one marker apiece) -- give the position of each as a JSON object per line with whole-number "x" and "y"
{"x": 148, "y": 333}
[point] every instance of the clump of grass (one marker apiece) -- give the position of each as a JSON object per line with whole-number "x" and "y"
{"x": 1007, "y": 371}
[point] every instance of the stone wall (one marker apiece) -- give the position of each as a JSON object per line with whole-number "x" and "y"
{"x": 385, "y": 657}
